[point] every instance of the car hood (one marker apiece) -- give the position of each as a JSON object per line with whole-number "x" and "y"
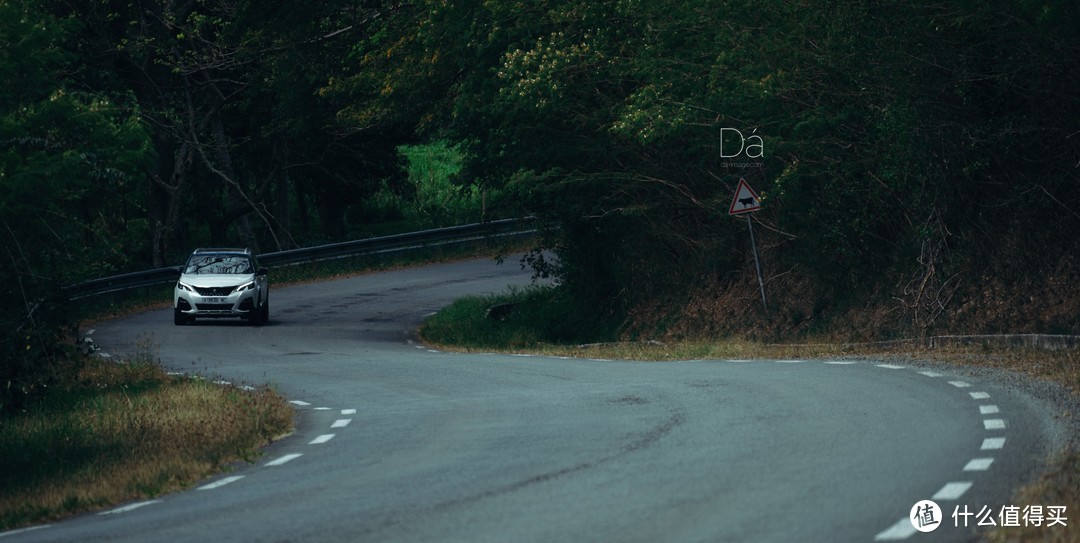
{"x": 216, "y": 280}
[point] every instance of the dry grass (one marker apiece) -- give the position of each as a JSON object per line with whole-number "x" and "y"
{"x": 126, "y": 432}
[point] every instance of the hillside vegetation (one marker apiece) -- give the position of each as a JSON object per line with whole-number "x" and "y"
{"x": 917, "y": 162}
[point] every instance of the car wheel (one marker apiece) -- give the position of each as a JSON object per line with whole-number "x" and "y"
{"x": 264, "y": 312}
{"x": 179, "y": 318}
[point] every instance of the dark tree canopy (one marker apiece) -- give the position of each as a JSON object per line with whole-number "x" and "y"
{"x": 925, "y": 154}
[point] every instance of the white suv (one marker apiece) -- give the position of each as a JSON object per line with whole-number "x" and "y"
{"x": 220, "y": 283}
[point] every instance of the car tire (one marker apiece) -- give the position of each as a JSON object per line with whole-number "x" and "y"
{"x": 179, "y": 319}
{"x": 259, "y": 316}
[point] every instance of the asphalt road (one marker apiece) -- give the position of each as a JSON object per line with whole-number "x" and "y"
{"x": 398, "y": 443}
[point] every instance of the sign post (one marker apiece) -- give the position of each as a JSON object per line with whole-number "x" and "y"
{"x": 745, "y": 202}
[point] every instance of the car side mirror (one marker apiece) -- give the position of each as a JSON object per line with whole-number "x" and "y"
{"x": 262, "y": 271}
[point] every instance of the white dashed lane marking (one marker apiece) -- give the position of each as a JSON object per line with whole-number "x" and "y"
{"x": 904, "y": 529}
{"x": 341, "y": 423}
{"x": 321, "y": 439}
{"x": 129, "y": 507}
{"x": 283, "y": 460}
{"x": 979, "y": 464}
{"x": 952, "y": 491}
{"x": 221, "y": 483}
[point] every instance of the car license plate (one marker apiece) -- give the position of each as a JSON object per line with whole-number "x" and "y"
{"x": 215, "y": 300}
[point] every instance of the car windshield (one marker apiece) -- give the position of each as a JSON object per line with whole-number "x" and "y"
{"x": 218, "y": 264}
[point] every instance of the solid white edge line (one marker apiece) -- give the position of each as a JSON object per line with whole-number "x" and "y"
{"x": 130, "y": 507}
{"x": 283, "y": 459}
{"x": 988, "y": 410}
{"x": 322, "y": 439}
{"x": 221, "y": 483}
{"x": 903, "y": 529}
{"x": 952, "y": 491}
{"x": 24, "y": 530}
{"x": 992, "y": 444}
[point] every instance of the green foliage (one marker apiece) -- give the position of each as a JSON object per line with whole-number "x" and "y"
{"x": 521, "y": 319}
{"x": 70, "y": 162}
{"x": 441, "y": 198}
{"x": 922, "y": 140}
{"x": 892, "y": 134}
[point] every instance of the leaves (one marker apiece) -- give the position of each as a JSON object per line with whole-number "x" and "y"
{"x": 873, "y": 119}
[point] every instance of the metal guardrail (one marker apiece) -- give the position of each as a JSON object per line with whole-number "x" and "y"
{"x": 502, "y": 229}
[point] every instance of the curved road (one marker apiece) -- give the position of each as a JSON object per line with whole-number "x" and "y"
{"x": 394, "y": 442}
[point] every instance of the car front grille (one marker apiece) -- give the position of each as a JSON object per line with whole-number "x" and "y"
{"x": 213, "y": 307}
{"x": 214, "y": 291}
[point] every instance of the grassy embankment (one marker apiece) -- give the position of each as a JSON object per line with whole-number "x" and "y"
{"x": 126, "y": 431}
{"x": 527, "y": 320}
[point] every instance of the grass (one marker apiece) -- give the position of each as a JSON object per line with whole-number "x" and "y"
{"x": 522, "y": 321}
{"x": 531, "y": 318}
{"x": 126, "y": 431}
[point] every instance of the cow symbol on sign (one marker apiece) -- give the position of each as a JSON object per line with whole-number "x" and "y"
{"x": 745, "y": 200}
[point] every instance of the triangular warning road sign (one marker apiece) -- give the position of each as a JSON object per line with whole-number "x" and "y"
{"x": 745, "y": 200}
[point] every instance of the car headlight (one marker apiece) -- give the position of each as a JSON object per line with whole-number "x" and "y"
{"x": 245, "y": 286}
{"x": 182, "y": 286}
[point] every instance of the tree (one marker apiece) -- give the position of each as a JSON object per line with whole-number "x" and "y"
{"x": 890, "y": 133}
{"x": 244, "y": 136}
{"x": 70, "y": 162}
